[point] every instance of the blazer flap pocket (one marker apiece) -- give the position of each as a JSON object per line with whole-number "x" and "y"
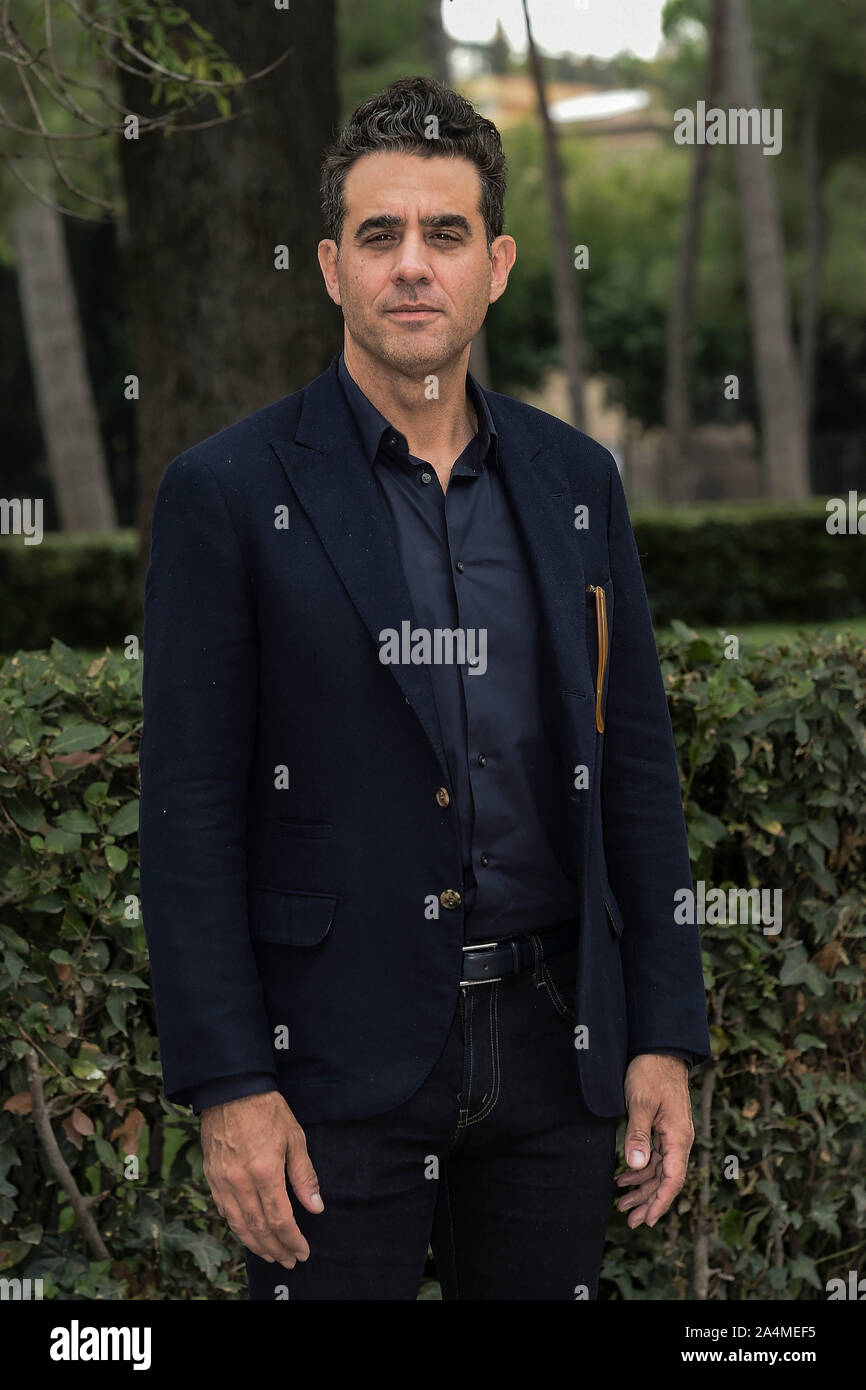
{"x": 614, "y": 916}
{"x": 290, "y": 919}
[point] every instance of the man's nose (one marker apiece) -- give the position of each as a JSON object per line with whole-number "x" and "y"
{"x": 413, "y": 262}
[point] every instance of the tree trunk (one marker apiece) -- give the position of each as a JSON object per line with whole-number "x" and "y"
{"x": 67, "y": 414}
{"x": 813, "y": 260}
{"x": 436, "y": 40}
{"x": 678, "y": 420}
{"x": 785, "y": 460}
{"x": 218, "y": 331}
{"x": 564, "y": 282}
{"x": 437, "y": 44}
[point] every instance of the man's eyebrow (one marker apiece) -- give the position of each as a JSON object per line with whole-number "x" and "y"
{"x": 386, "y": 220}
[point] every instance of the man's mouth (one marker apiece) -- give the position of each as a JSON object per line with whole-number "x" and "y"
{"x": 413, "y": 311}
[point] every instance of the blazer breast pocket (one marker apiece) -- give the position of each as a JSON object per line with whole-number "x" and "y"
{"x": 286, "y": 918}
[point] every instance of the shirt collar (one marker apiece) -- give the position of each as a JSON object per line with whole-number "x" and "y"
{"x": 373, "y": 425}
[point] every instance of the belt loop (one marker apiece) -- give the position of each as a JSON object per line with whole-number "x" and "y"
{"x": 515, "y": 955}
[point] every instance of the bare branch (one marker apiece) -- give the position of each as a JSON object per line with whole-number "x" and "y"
{"x": 9, "y": 160}
{"x": 58, "y": 169}
{"x": 169, "y": 72}
{"x": 57, "y": 1163}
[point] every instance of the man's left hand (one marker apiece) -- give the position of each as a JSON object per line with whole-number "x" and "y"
{"x": 659, "y": 1107}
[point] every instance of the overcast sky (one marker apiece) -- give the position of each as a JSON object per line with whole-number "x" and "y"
{"x": 599, "y": 27}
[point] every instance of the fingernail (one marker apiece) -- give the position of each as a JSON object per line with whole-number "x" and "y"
{"x": 636, "y": 1157}
{"x": 316, "y": 1202}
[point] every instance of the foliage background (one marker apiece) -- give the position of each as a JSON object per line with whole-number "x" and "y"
{"x": 773, "y": 739}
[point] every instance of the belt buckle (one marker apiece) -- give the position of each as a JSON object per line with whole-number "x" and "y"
{"x": 482, "y": 946}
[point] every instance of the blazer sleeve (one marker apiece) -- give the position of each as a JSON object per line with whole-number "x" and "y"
{"x": 199, "y": 688}
{"x": 645, "y": 841}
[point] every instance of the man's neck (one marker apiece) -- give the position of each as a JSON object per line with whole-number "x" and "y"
{"x": 437, "y": 427}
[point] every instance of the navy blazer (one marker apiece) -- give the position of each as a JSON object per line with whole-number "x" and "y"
{"x": 300, "y": 875}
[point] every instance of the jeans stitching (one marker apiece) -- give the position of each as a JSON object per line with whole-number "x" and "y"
{"x": 494, "y": 1054}
{"x": 466, "y": 1099}
{"x": 538, "y": 965}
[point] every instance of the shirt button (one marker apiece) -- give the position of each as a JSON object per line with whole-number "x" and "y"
{"x": 426, "y": 477}
{"x": 481, "y": 760}
{"x": 460, "y": 567}
{"x": 392, "y": 440}
{"x": 473, "y": 660}
{"x": 442, "y": 796}
{"x": 450, "y": 898}
{"x": 484, "y": 861}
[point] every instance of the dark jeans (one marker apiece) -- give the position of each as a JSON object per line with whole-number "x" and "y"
{"x": 495, "y": 1161}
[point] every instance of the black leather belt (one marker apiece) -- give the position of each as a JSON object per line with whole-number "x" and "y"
{"x": 487, "y": 961}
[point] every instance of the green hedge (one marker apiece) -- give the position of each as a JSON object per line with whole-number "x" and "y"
{"x": 83, "y": 588}
{"x": 729, "y": 565}
{"x": 709, "y": 565}
{"x": 773, "y": 759}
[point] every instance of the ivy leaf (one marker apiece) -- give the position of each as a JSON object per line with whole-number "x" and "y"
{"x": 26, "y": 810}
{"x": 124, "y": 821}
{"x": 77, "y": 737}
{"x": 78, "y": 821}
{"x": 116, "y": 858}
{"x": 62, "y": 841}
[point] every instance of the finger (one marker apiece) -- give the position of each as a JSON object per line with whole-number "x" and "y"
{"x": 272, "y": 1199}
{"x": 278, "y": 1213}
{"x": 302, "y": 1174}
{"x": 662, "y": 1199}
{"x": 249, "y": 1234}
{"x": 641, "y": 1197}
{"x": 674, "y": 1165}
{"x": 637, "y": 1217}
{"x": 239, "y": 1195}
{"x": 638, "y": 1138}
{"x": 633, "y": 1176}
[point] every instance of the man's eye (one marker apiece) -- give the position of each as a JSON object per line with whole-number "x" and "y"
{"x": 389, "y": 236}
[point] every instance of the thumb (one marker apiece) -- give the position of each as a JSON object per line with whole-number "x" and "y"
{"x": 638, "y": 1145}
{"x": 302, "y": 1174}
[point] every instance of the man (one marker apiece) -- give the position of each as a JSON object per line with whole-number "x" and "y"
{"x": 411, "y": 823}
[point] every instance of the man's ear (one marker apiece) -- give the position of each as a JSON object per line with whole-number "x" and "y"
{"x": 328, "y": 253}
{"x": 503, "y": 254}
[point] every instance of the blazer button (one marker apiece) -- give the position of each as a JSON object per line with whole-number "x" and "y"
{"x": 442, "y": 796}
{"x": 450, "y": 898}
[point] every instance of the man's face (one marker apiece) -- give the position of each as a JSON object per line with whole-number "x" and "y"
{"x": 413, "y": 275}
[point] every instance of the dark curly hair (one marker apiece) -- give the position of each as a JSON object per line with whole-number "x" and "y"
{"x": 399, "y": 119}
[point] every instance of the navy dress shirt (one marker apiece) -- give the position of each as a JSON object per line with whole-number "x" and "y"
{"x": 466, "y": 569}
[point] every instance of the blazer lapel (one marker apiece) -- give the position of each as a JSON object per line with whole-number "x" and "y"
{"x": 335, "y": 485}
{"x": 538, "y": 486}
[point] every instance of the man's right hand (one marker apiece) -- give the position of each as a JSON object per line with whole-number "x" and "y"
{"x": 248, "y": 1146}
